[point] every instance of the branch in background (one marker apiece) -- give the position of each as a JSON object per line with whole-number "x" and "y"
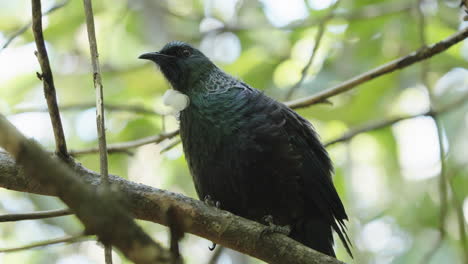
{"x": 458, "y": 205}
{"x": 397, "y": 64}
{"x": 68, "y": 240}
{"x": 35, "y": 215}
{"x": 378, "y": 10}
{"x": 365, "y": 13}
{"x": 124, "y": 146}
{"x": 23, "y": 29}
{"x": 99, "y": 211}
{"x": 83, "y": 106}
{"x": 148, "y": 203}
{"x": 374, "y": 125}
{"x": 97, "y": 80}
{"x": 170, "y": 146}
{"x": 443, "y": 186}
{"x": 318, "y": 40}
{"x": 48, "y": 80}
{"x": 100, "y": 117}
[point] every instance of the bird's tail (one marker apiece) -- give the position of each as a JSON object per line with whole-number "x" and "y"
{"x": 315, "y": 233}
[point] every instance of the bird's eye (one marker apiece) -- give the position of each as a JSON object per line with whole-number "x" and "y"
{"x": 186, "y": 53}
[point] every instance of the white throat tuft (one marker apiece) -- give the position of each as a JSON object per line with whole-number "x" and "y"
{"x": 176, "y": 100}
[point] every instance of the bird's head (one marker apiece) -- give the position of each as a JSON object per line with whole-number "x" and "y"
{"x": 181, "y": 64}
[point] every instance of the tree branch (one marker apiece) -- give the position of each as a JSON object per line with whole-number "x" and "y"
{"x": 374, "y": 125}
{"x": 24, "y": 28}
{"x": 100, "y": 117}
{"x": 392, "y": 66}
{"x": 68, "y": 239}
{"x": 47, "y": 78}
{"x": 35, "y": 215}
{"x": 82, "y": 106}
{"x": 318, "y": 40}
{"x": 97, "y": 80}
{"x": 100, "y": 213}
{"x": 148, "y": 203}
{"x": 124, "y": 146}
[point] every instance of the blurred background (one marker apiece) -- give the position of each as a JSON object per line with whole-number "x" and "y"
{"x": 388, "y": 179}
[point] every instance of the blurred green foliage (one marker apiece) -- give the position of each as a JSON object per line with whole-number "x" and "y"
{"x": 388, "y": 179}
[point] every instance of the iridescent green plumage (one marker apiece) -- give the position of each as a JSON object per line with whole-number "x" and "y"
{"x": 254, "y": 155}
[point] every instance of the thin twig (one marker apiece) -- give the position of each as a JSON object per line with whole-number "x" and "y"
{"x": 124, "y": 146}
{"x": 170, "y": 146}
{"x": 35, "y": 215}
{"x": 82, "y": 106}
{"x": 443, "y": 196}
{"x": 458, "y": 205}
{"x": 443, "y": 190}
{"x": 24, "y": 28}
{"x": 370, "y": 126}
{"x": 394, "y": 65}
{"x": 67, "y": 239}
{"x": 100, "y": 118}
{"x": 374, "y": 125}
{"x": 47, "y": 79}
{"x": 365, "y": 13}
{"x": 317, "y": 42}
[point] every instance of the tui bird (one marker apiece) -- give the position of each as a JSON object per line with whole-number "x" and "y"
{"x": 255, "y": 156}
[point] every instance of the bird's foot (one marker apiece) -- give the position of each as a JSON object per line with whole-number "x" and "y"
{"x": 272, "y": 228}
{"x": 210, "y": 202}
{"x": 212, "y": 247}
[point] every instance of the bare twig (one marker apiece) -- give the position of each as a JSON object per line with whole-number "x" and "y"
{"x": 374, "y": 125}
{"x": 378, "y": 10}
{"x": 82, "y": 106}
{"x": 370, "y": 126}
{"x": 100, "y": 118}
{"x": 23, "y": 29}
{"x": 458, "y": 205}
{"x": 67, "y": 239}
{"x": 397, "y": 64}
{"x": 365, "y": 13}
{"x": 170, "y": 146}
{"x": 317, "y": 42}
{"x": 124, "y": 146}
{"x": 47, "y": 79}
{"x": 443, "y": 186}
{"x": 35, "y": 215}
{"x": 100, "y": 213}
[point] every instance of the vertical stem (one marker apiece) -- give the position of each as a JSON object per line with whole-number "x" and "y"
{"x": 48, "y": 79}
{"x": 99, "y": 89}
{"x": 100, "y": 119}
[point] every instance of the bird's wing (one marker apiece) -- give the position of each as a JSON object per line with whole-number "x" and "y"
{"x": 317, "y": 169}
{"x": 292, "y": 144}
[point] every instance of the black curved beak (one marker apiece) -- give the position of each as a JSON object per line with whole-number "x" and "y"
{"x": 154, "y": 56}
{"x": 149, "y": 55}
